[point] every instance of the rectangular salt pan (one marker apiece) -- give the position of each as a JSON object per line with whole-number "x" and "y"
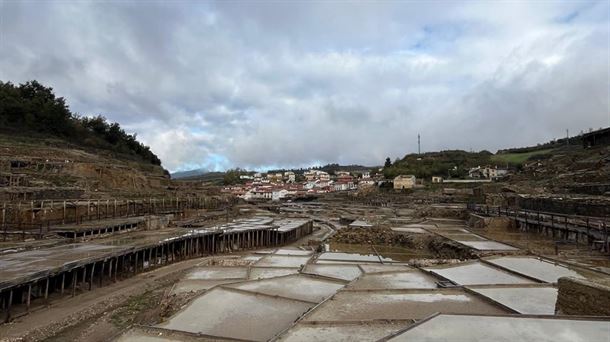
{"x": 282, "y": 261}
{"x": 270, "y": 272}
{"x": 344, "y": 272}
{"x": 340, "y": 332}
{"x": 514, "y": 329}
{"x": 299, "y": 287}
{"x": 413, "y": 230}
{"x": 348, "y": 257}
{"x": 207, "y": 273}
{"x": 536, "y": 268}
{"x": 227, "y": 313}
{"x": 402, "y": 280}
{"x": 477, "y": 273}
{"x": 289, "y": 251}
{"x": 368, "y": 305}
{"x": 488, "y": 245}
{"x": 524, "y": 300}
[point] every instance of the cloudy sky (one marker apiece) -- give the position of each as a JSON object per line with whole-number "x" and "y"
{"x": 260, "y": 84}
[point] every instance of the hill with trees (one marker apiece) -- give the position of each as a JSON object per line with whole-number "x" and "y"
{"x": 454, "y": 163}
{"x": 33, "y": 109}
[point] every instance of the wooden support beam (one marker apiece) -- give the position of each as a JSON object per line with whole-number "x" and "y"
{"x": 91, "y": 276}
{"x": 63, "y": 280}
{"x": 46, "y": 291}
{"x": 29, "y": 297}
{"x": 8, "y": 306}
{"x": 102, "y": 272}
{"x": 116, "y": 268}
{"x": 74, "y": 274}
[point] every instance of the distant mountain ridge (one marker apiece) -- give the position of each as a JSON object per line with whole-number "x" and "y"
{"x": 189, "y": 173}
{"x": 204, "y": 174}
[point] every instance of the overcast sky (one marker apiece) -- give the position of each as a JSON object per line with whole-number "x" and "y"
{"x": 280, "y": 84}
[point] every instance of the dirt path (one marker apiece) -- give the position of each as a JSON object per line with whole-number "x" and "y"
{"x": 72, "y": 312}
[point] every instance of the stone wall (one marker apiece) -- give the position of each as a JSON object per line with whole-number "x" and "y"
{"x": 158, "y": 222}
{"x": 583, "y": 297}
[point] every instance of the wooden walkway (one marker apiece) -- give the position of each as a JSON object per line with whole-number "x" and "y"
{"x": 593, "y": 230}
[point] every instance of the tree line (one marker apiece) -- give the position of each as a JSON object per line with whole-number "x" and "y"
{"x": 34, "y": 108}
{"x": 451, "y": 163}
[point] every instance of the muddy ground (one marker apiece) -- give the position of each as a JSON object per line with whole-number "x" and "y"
{"x": 436, "y": 246}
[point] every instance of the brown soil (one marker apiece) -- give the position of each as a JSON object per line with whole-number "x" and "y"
{"x": 436, "y": 245}
{"x": 426, "y": 211}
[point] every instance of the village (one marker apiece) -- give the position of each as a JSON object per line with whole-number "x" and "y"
{"x": 289, "y": 185}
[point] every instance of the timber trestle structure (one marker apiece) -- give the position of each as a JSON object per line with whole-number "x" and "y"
{"x": 98, "y": 267}
{"x": 592, "y": 230}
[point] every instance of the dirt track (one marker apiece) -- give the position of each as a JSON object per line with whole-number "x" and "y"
{"x": 88, "y": 317}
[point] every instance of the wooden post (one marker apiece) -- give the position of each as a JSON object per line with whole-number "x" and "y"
{"x": 29, "y": 297}
{"x": 84, "y": 277}
{"x": 116, "y": 268}
{"x": 102, "y": 272}
{"x": 110, "y": 270}
{"x": 4, "y": 219}
{"x": 606, "y": 237}
{"x": 74, "y": 282}
{"x": 46, "y": 291}
{"x": 91, "y": 276}
{"x": 8, "y": 307}
{"x": 63, "y": 280}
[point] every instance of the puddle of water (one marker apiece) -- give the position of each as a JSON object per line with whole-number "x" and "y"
{"x": 334, "y": 256}
{"x": 515, "y": 329}
{"x": 477, "y": 273}
{"x": 200, "y": 285}
{"x": 289, "y": 251}
{"x": 270, "y": 272}
{"x": 206, "y": 273}
{"x": 464, "y": 237}
{"x": 232, "y": 314}
{"x": 282, "y": 261}
{"x": 296, "y": 286}
{"x": 406, "y": 280}
{"x": 525, "y": 300}
{"x": 414, "y": 230}
{"x": 488, "y": 245}
{"x": 344, "y": 272}
{"x": 537, "y": 268}
{"x": 340, "y": 332}
{"x": 372, "y": 268}
{"x": 336, "y": 262}
{"x": 388, "y": 253}
{"x": 367, "y": 305}
{"x": 252, "y": 257}
{"x": 136, "y": 335}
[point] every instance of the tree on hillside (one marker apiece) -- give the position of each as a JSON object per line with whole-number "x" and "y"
{"x": 388, "y": 162}
{"x": 34, "y": 108}
{"x": 231, "y": 176}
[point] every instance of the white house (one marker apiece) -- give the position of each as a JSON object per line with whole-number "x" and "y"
{"x": 289, "y": 176}
{"x": 278, "y": 194}
{"x": 404, "y": 182}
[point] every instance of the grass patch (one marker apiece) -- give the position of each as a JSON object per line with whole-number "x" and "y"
{"x": 518, "y": 158}
{"x": 128, "y": 313}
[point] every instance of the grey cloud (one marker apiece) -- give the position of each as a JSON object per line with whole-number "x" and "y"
{"x": 255, "y": 84}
